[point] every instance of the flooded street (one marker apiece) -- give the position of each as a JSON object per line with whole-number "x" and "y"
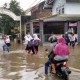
{"x": 19, "y": 65}
{"x": 13, "y": 64}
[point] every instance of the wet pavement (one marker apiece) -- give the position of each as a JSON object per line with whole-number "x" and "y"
{"x": 19, "y": 65}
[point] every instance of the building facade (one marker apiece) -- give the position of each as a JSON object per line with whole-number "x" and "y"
{"x": 57, "y": 16}
{"x": 36, "y": 25}
{"x": 38, "y": 11}
{"x": 66, "y": 11}
{"x": 66, "y": 7}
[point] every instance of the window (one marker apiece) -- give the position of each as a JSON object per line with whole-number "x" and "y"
{"x": 62, "y": 10}
{"x": 59, "y": 11}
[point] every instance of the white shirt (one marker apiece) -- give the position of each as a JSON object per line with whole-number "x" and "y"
{"x": 7, "y": 40}
{"x": 1, "y": 44}
{"x": 72, "y": 38}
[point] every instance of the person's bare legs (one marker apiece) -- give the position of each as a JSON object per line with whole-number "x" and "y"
{"x": 53, "y": 68}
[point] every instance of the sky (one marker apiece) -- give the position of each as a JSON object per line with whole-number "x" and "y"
{"x": 24, "y": 4}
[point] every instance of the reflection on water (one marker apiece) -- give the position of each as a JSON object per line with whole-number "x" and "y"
{"x": 15, "y": 65}
{"x": 12, "y": 64}
{"x": 74, "y": 59}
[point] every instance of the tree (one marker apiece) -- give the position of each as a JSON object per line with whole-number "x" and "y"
{"x": 7, "y": 23}
{"x": 14, "y": 7}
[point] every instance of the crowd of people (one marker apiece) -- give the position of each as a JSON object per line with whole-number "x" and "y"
{"x": 70, "y": 39}
{"x": 32, "y": 43}
{"x": 59, "y": 49}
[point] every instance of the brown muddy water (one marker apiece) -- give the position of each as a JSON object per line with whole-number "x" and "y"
{"x": 24, "y": 66}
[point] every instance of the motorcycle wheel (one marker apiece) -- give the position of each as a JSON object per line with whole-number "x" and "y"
{"x": 66, "y": 77}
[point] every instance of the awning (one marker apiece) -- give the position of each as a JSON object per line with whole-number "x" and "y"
{"x": 64, "y": 17}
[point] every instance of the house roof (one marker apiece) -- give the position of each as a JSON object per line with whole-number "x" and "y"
{"x": 57, "y": 17}
{"x": 33, "y": 8}
{"x": 63, "y": 17}
{"x": 73, "y": 1}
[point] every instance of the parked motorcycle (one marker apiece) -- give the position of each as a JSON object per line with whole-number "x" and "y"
{"x": 61, "y": 70}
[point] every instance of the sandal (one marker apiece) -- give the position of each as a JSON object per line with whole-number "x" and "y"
{"x": 54, "y": 72}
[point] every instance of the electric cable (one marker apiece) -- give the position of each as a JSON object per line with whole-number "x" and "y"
{"x": 32, "y": 3}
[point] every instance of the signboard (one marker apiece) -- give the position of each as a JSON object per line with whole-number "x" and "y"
{"x": 72, "y": 24}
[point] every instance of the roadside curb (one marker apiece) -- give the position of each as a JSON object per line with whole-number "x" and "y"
{"x": 74, "y": 69}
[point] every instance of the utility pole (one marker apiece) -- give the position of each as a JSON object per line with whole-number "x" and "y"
{"x": 20, "y": 31}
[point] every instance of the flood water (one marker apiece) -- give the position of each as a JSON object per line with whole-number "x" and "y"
{"x": 24, "y": 66}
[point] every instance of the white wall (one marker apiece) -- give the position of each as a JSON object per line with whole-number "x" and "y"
{"x": 69, "y": 8}
{"x": 72, "y": 8}
{"x": 58, "y": 5}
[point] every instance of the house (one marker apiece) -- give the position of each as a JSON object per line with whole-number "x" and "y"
{"x": 57, "y": 16}
{"x": 66, "y": 15}
{"x": 37, "y": 15}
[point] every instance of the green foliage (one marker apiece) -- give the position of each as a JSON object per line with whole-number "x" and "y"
{"x": 14, "y": 7}
{"x": 7, "y": 23}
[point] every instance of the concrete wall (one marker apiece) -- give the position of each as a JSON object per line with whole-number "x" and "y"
{"x": 58, "y": 4}
{"x": 72, "y": 8}
{"x": 69, "y": 7}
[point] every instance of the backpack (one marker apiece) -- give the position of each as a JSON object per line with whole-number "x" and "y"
{"x": 30, "y": 43}
{"x": 36, "y": 42}
{"x": 51, "y": 56}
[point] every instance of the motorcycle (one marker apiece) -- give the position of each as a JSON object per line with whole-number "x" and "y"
{"x": 61, "y": 70}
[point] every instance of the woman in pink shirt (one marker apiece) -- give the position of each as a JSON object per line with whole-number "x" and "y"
{"x": 61, "y": 52}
